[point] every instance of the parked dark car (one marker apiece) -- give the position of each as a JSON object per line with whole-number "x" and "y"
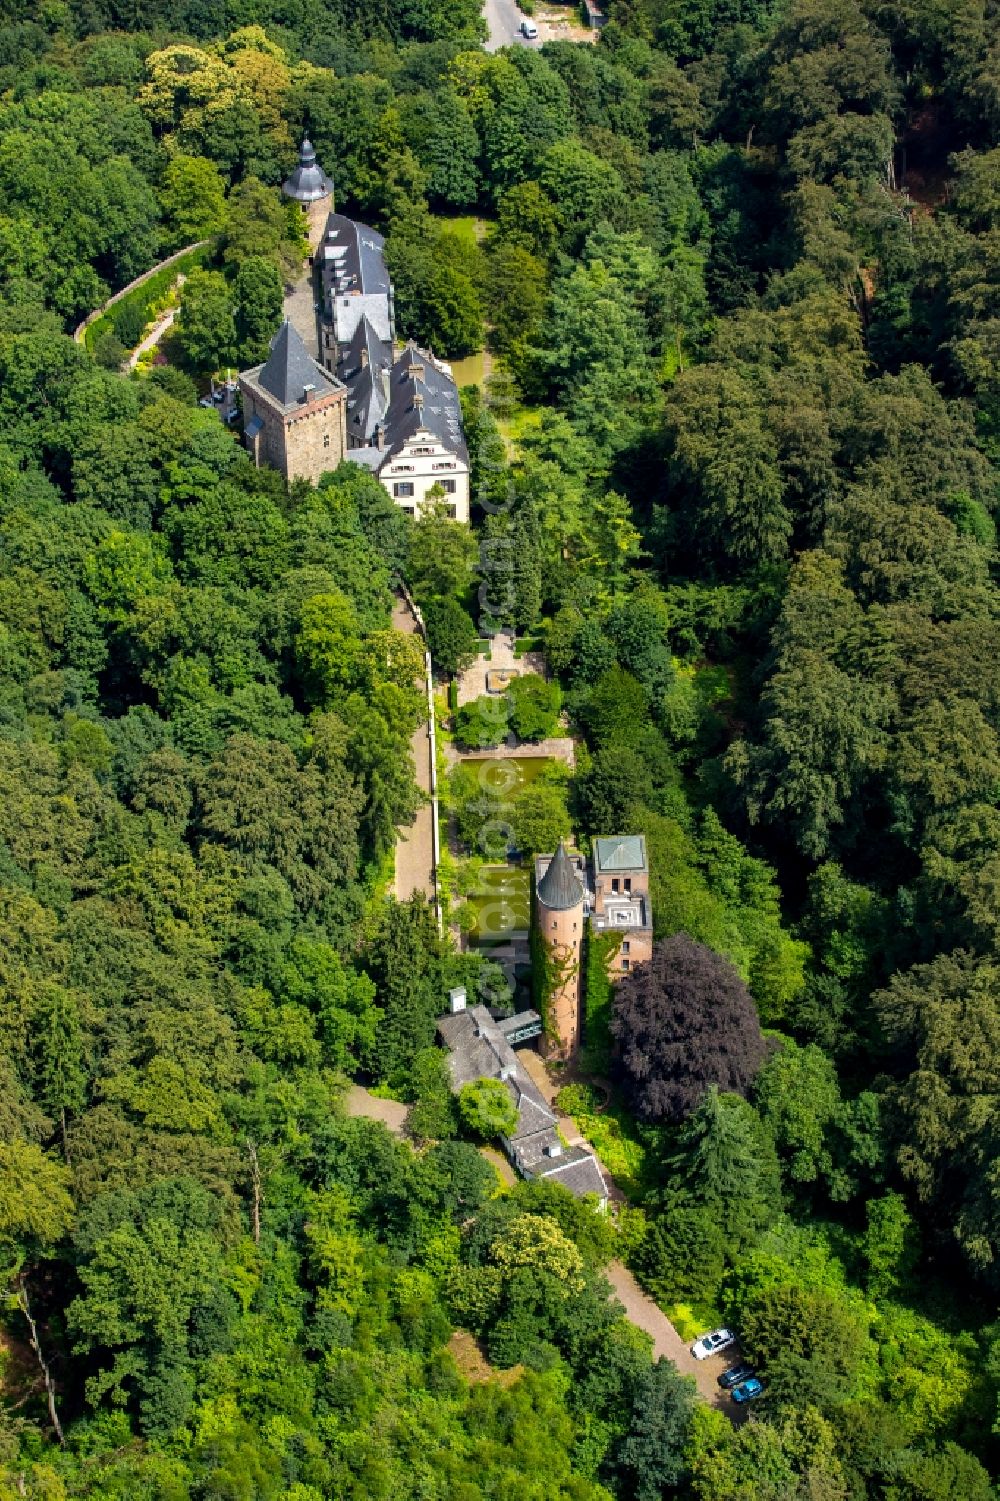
{"x": 734, "y": 1375}
{"x": 747, "y": 1390}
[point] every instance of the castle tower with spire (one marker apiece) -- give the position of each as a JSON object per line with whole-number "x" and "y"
{"x": 312, "y": 190}
{"x": 558, "y": 934}
{"x": 294, "y": 411}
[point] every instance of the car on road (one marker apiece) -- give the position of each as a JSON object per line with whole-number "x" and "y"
{"x": 713, "y": 1343}
{"x": 734, "y": 1375}
{"x": 529, "y": 30}
{"x": 748, "y": 1390}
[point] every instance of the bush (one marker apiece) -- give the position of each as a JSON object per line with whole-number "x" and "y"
{"x": 109, "y": 351}
{"x": 534, "y": 706}
{"x": 487, "y": 1109}
{"x": 129, "y": 321}
{"x": 483, "y": 724}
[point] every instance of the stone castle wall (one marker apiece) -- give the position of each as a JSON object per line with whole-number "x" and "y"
{"x": 316, "y": 440}
{"x": 302, "y": 444}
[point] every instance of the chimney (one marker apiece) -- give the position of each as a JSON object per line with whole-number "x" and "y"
{"x": 507, "y": 1072}
{"x": 364, "y": 359}
{"x": 418, "y": 404}
{"x": 418, "y": 371}
{"x": 554, "y": 1149}
{"x": 305, "y": 391}
{"x": 457, "y": 999}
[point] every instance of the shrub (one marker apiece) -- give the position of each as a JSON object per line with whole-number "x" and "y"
{"x": 482, "y": 724}
{"x": 487, "y": 1109}
{"x": 534, "y": 706}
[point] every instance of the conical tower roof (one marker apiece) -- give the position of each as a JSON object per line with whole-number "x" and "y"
{"x": 559, "y": 889}
{"x": 308, "y": 182}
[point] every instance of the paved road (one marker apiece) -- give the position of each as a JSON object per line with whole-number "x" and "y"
{"x": 504, "y": 20}
{"x": 415, "y": 845}
{"x": 643, "y": 1312}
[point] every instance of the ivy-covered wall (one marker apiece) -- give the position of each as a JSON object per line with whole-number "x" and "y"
{"x": 599, "y": 950}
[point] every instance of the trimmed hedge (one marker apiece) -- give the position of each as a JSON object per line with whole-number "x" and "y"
{"x": 143, "y": 299}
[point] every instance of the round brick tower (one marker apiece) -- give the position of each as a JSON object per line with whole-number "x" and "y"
{"x": 312, "y": 190}
{"x": 559, "y": 929}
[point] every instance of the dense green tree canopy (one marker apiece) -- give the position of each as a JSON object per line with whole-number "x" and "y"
{"x": 733, "y": 272}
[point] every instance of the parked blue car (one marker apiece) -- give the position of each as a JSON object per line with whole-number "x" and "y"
{"x": 747, "y": 1390}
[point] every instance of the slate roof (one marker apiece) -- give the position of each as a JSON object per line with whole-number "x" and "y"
{"x": 478, "y": 1049}
{"x": 620, "y": 852}
{"x": 364, "y": 367}
{"x": 423, "y": 395}
{"x": 308, "y": 182}
{"x": 356, "y": 282}
{"x": 289, "y": 369}
{"x": 559, "y": 889}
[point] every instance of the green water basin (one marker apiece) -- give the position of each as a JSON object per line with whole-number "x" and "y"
{"x": 502, "y": 905}
{"x": 508, "y": 775}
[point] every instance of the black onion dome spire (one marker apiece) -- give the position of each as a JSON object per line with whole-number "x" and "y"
{"x": 559, "y": 889}
{"x": 308, "y": 182}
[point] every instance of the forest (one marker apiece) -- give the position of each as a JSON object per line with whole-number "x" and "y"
{"x": 737, "y": 266}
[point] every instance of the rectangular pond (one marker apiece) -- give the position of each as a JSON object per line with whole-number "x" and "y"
{"x": 502, "y": 905}
{"x": 498, "y": 775}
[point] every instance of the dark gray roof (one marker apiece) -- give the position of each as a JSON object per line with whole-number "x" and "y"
{"x": 620, "y": 852}
{"x": 559, "y": 888}
{"x": 354, "y": 256}
{"x": 356, "y": 282}
{"x": 308, "y": 182}
{"x": 478, "y": 1049}
{"x": 577, "y": 1170}
{"x": 423, "y": 396}
{"x": 290, "y": 369}
{"x": 363, "y": 367}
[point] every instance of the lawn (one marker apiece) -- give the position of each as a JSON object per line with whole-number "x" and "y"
{"x": 462, "y": 225}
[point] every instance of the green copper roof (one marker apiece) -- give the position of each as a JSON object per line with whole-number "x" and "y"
{"x": 620, "y": 852}
{"x": 559, "y": 889}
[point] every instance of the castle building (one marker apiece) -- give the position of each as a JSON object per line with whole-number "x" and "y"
{"x": 613, "y": 898}
{"x": 310, "y": 187}
{"x": 621, "y": 899}
{"x": 402, "y": 417}
{"x": 294, "y": 411}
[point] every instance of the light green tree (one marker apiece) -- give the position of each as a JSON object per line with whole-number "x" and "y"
{"x": 487, "y": 1109}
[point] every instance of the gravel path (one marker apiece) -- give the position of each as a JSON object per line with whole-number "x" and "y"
{"x": 643, "y": 1312}
{"x": 361, "y": 1102}
{"x": 415, "y": 845}
{"x": 160, "y": 327}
